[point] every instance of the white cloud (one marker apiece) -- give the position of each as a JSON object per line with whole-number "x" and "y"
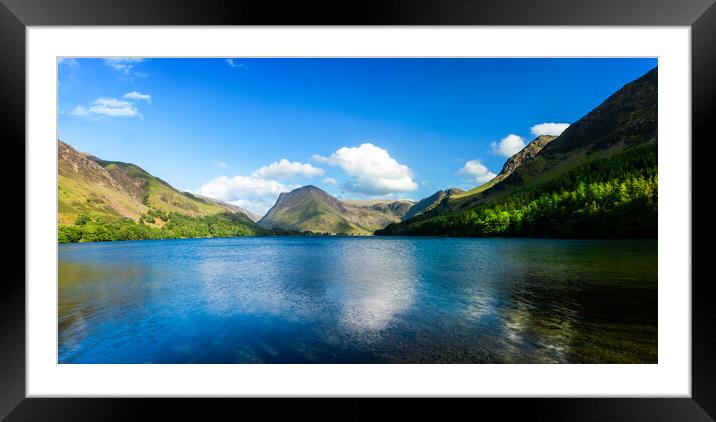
{"x": 374, "y": 171}
{"x": 113, "y": 107}
{"x": 477, "y": 170}
{"x": 259, "y": 191}
{"x": 236, "y": 65}
{"x": 330, "y": 181}
{"x": 508, "y": 146}
{"x": 253, "y": 193}
{"x": 79, "y": 111}
{"x": 553, "y": 129}
{"x": 286, "y": 169}
{"x": 135, "y": 95}
{"x": 111, "y": 102}
{"x": 123, "y": 64}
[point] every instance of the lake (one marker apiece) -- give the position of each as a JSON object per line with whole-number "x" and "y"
{"x": 358, "y": 300}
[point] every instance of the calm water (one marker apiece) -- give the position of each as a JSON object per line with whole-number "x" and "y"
{"x": 354, "y": 300}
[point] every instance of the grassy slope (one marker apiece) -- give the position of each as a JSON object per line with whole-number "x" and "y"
{"x": 114, "y": 196}
{"x": 159, "y": 195}
{"x": 128, "y": 192}
{"x": 476, "y": 190}
{"x": 76, "y": 198}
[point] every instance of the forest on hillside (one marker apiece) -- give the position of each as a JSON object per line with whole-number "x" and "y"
{"x": 611, "y": 197}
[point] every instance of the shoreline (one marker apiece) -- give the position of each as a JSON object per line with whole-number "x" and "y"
{"x": 376, "y": 237}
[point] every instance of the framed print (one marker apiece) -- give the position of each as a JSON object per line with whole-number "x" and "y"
{"x": 455, "y": 200}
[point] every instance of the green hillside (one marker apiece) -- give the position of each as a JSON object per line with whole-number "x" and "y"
{"x": 102, "y": 200}
{"x": 597, "y": 179}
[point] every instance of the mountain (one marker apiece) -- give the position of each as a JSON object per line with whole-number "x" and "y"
{"x": 101, "y": 200}
{"x": 625, "y": 120}
{"x": 89, "y": 185}
{"x": 431, "y": 202}
{"x": 311, "y": 209}
{"x": 597, "y": 179}
{"x": 85, "y": 186}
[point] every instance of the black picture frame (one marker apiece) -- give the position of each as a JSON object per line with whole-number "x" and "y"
{"x": 16, "y": 15}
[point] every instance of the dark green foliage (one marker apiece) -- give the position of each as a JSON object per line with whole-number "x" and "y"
{"x": 153, "y": 214}
{"x": 641, "y": 160}
{"x": 82, "y": 219}
{"x": 616, "y": 208}
{"x": 613, "y": 197}
{"x": 69, "y": 234}
{"x": 177, "y": 226}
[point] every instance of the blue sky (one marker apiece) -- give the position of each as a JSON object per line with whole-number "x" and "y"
{"x": 243, "y": 130}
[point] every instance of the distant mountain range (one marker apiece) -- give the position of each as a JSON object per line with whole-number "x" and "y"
{"x": 90, "y": 186}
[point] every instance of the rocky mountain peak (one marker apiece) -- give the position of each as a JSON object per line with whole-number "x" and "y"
{"x": 525, "y": 154}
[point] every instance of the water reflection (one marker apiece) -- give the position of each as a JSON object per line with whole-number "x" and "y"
{"x": 367, "y": 284}
{"x": 91, "y": 291}
{"x": 343, "y": 300}
{"x": 374, "y": 283}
